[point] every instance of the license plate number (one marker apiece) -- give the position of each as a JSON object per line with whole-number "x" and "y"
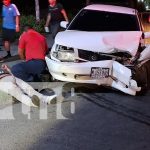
{"x": 98, "y": 72}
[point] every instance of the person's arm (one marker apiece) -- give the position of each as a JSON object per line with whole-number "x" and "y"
{"x": 5, "y": 67}
{"x": 21, "y": 53}
{"x": 65, "y": 15}
{"x": 17, "y": 23}
{"x": 21, "y": 46}
{"x": 48, "y": 20}
{"x": 46, "y": 47}
{"x": 16, "y": 14}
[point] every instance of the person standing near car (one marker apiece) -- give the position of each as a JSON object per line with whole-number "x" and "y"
{"x": 10, "y": 24}
{"x": 32, "y": 48}
{"x": 56, "y": 13}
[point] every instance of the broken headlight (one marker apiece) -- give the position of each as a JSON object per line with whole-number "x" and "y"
{"x": 64, "y": 53}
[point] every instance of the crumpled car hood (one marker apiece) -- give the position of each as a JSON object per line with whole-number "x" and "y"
{"x": 105, "y": 42}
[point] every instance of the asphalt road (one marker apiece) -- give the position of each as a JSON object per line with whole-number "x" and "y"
{"x": 85, "y": 118}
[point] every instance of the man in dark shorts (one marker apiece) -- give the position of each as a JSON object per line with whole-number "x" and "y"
{"x": 10, "y": 24}
{"x": 8, "y": 34}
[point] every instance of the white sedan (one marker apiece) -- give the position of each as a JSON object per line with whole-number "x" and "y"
{"x": 96, "y": 48}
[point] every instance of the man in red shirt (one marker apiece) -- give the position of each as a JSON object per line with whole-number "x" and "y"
{"x": 32, "y": 48}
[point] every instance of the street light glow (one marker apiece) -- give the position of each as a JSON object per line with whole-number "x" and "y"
{"x": 140, "y": 0}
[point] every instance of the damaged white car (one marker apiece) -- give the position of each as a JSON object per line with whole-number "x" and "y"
{"x": 97, "y": 47}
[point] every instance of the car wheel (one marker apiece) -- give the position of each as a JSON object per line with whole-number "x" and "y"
{"x": 142, "y": 76}
{"x": 47, "y": 92}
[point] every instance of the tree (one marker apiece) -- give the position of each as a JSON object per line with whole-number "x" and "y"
{"x": 147, "y": 3}
{"x": 87, "y": 2}
{"x": 37, "y": 10}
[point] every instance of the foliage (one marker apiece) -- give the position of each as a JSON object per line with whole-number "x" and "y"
{"x": 31, "y": 20}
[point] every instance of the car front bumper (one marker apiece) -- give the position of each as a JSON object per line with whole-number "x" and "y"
{"x": 119, "y": 75}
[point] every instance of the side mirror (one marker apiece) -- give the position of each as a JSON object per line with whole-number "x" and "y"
{"x": 146, "y": 35}
{"x": 64, "y": 24}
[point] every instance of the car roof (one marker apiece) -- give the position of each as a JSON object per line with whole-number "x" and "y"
{"x": 111, "y": 8}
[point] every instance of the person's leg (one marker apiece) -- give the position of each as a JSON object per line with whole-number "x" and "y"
{"x": 28, "y": 89}
{"x": 7, "y": 46}
{"x": 8, "y": 36}
{"x": 28, "y": 70}
{"x": 6, "y": 41}
{"x": 35, "y": 67}
{"x": 20, "y": 70}
{"x": 55, "y": 27}
{"x": 8, "y": 86}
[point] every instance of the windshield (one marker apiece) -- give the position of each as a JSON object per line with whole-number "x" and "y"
{"x": 93, "y": 20}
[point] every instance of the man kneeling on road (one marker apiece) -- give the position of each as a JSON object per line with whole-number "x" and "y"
{"x": 32, "y": 48}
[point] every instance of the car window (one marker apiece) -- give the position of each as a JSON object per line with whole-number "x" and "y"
{"x": 92, "y": 20}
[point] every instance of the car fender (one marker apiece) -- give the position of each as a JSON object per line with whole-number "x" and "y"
{"x": 145, "y": 54}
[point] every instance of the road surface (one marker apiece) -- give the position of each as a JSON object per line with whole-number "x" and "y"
{"x": 85, "y": 118}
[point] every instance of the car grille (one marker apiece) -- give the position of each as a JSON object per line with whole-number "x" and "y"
{"x": 97, "y": 56}
{"x": 92, "y": 56}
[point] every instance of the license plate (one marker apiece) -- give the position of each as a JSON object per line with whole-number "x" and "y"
{"x": 98, "y": 72}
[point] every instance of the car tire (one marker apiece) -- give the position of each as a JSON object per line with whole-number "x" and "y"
{"x": 47, "y": 92}
{"x": 142, "y": 76}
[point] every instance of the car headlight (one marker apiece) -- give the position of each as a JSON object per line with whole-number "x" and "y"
{"x": 64, "y": 53}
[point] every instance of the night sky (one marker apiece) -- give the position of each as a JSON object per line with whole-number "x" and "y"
{"x": 28, "y": 6}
